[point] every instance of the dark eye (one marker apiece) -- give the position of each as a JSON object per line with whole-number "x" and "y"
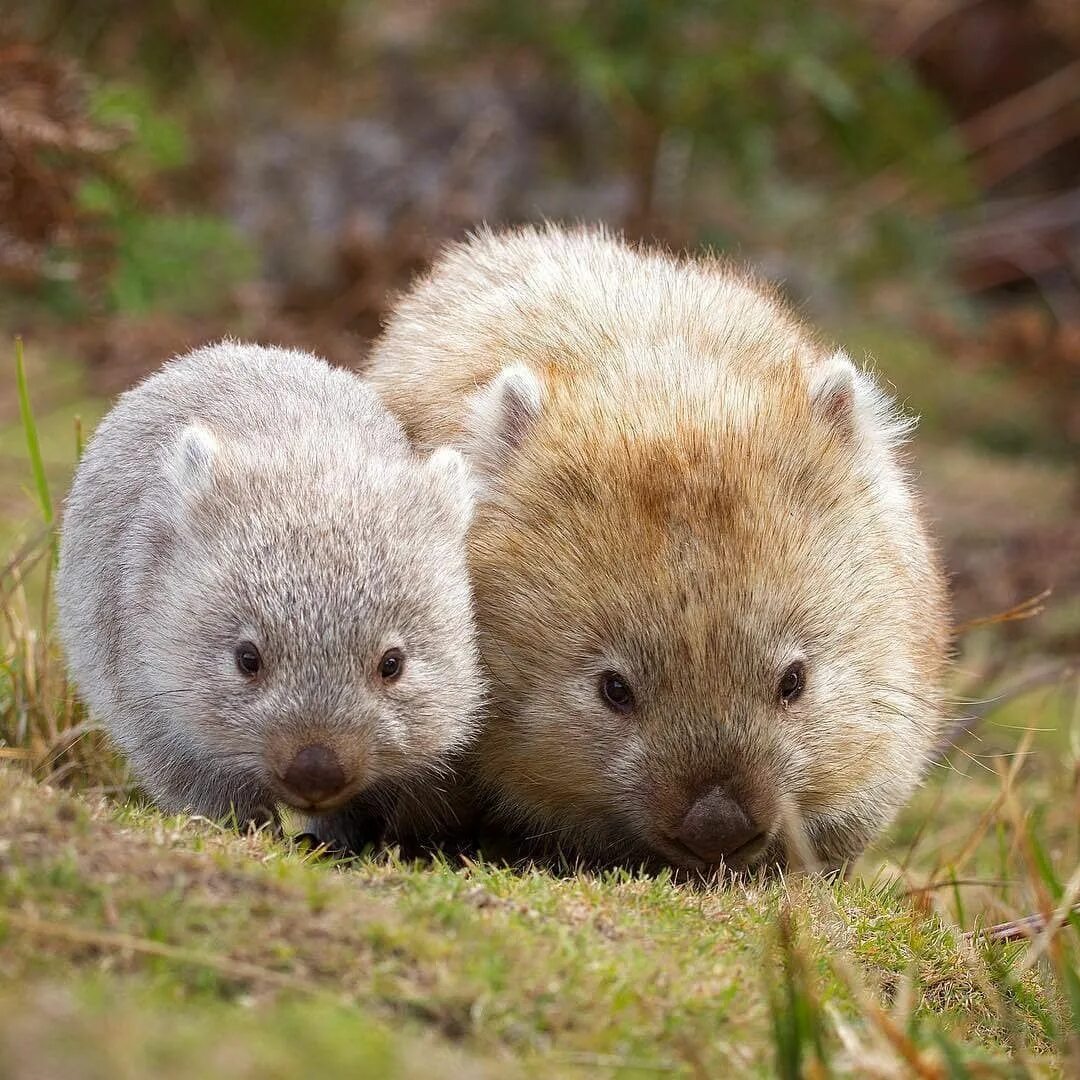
{"x": 616, "y": 693}
{"x": 792, "y": 682}
{"x": 391, "y": 665}
{"x": 248, "y": 660}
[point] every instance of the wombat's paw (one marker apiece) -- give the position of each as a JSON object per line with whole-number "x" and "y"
{"x": 354, "y": 830}
{"x": 263, "y": 819}
{"x": 309, "y": 843}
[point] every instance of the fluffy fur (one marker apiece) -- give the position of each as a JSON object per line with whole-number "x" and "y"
{"x": 683, "y": 486}
{"x": 252, "y": 494}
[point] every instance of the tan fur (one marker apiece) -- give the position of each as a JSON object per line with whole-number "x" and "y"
{"x": 705, "y": 493}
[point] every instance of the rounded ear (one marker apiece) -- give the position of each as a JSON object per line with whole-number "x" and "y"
{"x": 454, "y": 479}
{"x": 501, "y": 415}
{"x": 192, "y": 464}
{"x": 850, "y": 401}
{"x": 832, "y": 393}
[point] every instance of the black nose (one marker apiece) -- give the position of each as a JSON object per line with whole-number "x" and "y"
{"x": 717, "y": 827}
{"x": 315, "y": 774}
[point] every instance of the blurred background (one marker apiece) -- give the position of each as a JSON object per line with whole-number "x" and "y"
{"x": 907, "y": 170}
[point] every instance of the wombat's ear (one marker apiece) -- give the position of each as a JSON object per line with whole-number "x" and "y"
{"x": 854, "y": 404}
{"x": 455, "y": 482}
{"x": 501, "y": 416}
{"x": 192, "y": 464}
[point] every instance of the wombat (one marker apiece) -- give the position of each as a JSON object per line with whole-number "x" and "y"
{"x": 713, "y": 621}
{"x": 263, "y": 591}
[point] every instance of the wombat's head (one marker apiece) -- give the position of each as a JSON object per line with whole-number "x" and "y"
{"x": 713, "y": 621}
{"x": 316, "y": 632}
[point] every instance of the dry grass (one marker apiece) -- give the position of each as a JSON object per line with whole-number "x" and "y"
{"x": 42, "y": 725}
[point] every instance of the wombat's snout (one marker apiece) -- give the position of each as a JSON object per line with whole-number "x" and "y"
{"x": 315, "y": 775}
{"x": 719, "y": 828}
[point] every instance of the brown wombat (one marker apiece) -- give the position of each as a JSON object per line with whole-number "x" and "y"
{"x": 263, "y": 591}
{"x": 707, "y": 602}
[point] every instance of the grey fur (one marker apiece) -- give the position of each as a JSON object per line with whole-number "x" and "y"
{"x": 246, "y": 493}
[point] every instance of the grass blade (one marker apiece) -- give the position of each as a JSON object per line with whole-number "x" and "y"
{"x": 33, "y": 447}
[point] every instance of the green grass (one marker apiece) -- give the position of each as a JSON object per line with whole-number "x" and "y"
{"x": 182, "y": 926}
{"x": 86, "y": 1029}
{"x": 38, "y": 459}
{"x": 33, "y": 447}
{"x": 134, "y": 944}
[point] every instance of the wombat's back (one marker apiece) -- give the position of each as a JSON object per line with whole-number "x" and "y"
{"x": 253, "y": 394}
{"x": 562, "y": 303}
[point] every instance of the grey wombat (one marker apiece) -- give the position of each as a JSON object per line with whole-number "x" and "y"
{"x": 263, "y": 591}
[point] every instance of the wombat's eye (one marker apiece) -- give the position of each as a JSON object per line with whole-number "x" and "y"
{"x": 616, "y": 693}
{"x": 792, "y": 682}
{"x": 248, "y": 660}
{"x": 391, "y": 665}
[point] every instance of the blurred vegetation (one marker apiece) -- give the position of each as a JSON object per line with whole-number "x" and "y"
{"x": 782, "y": 104}
{"x": 726, "y": 121}
{"x": 786, "y": 131}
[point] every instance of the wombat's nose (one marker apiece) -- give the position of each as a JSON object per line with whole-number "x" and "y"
{"x": 717, "y": 827}
{"x": 315, "y": 774}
